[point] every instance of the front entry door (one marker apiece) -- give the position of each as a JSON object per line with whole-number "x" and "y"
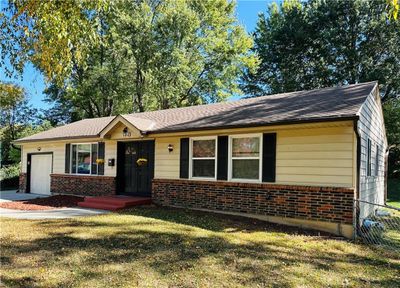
{"x": 136, "y": 167}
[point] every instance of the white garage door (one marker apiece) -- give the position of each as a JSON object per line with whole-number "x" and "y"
{"x": 40, "y": 173}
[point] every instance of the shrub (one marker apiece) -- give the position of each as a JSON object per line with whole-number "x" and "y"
{"x": 9, "y": 172}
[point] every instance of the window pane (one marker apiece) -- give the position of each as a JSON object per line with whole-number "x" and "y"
{"x": 73, "y": 158}
{"x": 204, "y": 148}
{"x": 246, "y": 147}
{"x": 245, "y": 169}
{"x": 204, "y": 168}
{"x": 84, "y": 159}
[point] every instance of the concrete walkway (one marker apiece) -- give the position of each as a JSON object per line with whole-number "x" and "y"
{"x": 61, "y": 213}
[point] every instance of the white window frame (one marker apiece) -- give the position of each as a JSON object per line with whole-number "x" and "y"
{"x": 260, "y": 157}
{"x": 191, "y": 158}
{"x": 75, "y": 157}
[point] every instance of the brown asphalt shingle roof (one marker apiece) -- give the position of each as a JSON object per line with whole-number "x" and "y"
{"x": 303, "y": 106}
{"x": 81, "y": 129}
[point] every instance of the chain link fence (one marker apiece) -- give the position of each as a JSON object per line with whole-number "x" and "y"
{"x": 378, "y": 225}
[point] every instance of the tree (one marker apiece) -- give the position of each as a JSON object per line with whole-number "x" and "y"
{"x": 391, "y": 110}
{"x": 15, "y": 115}
{"x": 54, "y": 35}
{"x": 98, "y": 89}
{"x": 62, "y": 110}
{"x": 306, "y": 45}
{"x": 124, "y": 56}
{"x": 180, "y": 53}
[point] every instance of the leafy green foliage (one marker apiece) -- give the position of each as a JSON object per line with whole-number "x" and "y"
{"x": 393, "y": 197}
{"x": 391, "y": 110}
{"x": 54, "y": 35}
{"x": 62, "y": 110}
{"x": 104, "y": 58}
{"x": 306, "y": 45}
{"x": 17, "y": 119}
{"x": 181, "y": 52}
{"x": 9, "y": 172}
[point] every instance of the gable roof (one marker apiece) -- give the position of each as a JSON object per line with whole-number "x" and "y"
{"x": 326, "y": 104}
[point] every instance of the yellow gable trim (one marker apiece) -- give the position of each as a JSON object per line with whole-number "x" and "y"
{"x": 115, "y": 124}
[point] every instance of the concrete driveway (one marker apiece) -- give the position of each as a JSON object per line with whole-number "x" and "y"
{"x": 50, "y": 214}
{"x": 12, "y": 195}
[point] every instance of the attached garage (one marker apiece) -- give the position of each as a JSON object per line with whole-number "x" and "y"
{"x": 40, "y": 167}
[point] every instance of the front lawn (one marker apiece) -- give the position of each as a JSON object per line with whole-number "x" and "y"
{"x": 159, "y": 247}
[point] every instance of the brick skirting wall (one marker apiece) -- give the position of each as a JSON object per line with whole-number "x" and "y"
{"x": 82, "y": 185}
{"x": 302, "y": 202}
{"x": 22, "y": 182}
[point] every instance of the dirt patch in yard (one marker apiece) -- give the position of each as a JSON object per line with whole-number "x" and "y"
{"x": 48, "y": 203}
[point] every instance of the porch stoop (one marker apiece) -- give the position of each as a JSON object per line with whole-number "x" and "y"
{"x": 113, "y": 203}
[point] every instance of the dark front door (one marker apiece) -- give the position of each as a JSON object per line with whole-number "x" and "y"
{"x": 135, "y": 167}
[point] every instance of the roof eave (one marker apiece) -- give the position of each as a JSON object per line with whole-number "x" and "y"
{"x": 288, "y": 122}
{"x": 21, "y": 141}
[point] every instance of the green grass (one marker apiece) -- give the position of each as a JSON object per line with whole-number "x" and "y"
{"x": 159, "y": 247}
{"x": 394, "y": 192}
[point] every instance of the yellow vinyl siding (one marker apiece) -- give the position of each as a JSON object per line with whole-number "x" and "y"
{"x": 315, "y": 156}
{"x": 58, "y": 150}
{"x": 315, "y": 147}
{"x": 310, "y": 170}
{"x": 110, "y": 153}
{"x": 308, "y": 155}
{"x": 340, "y": 163}
{"x": 167, "y": 163}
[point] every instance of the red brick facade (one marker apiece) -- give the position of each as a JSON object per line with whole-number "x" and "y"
{"x": 82, "y": 185}
{"x": 22, "y": 182}
{"x": 302, "y": 202}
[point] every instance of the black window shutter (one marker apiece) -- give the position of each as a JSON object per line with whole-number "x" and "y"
{"x": 184, "y": 161}
{"x": 101, "y": 155}
{"x": 94, "y": 158}
{"x": 222, "y": 156}
{"x": 120, "y": 165}
{"x": 67, "y": 158}
{"x": 269, "y": 157}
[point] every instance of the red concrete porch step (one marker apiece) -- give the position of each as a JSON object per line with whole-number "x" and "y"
{"x": 113, "y": 203}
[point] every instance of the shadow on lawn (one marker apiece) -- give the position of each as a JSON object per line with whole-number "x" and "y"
{"x": 204, "y": 220}
{"x": 172, "y": 251}
{"x": 217, "y": 222}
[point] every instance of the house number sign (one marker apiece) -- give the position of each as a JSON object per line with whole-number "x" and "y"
{"x": 126, "y": 132}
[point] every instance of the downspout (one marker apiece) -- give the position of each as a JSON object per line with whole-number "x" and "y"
{"x": 358, "y": 152}
{"x": 356, "y": 214}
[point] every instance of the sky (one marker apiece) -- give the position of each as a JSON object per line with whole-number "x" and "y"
{"x": 33, "y": 81}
